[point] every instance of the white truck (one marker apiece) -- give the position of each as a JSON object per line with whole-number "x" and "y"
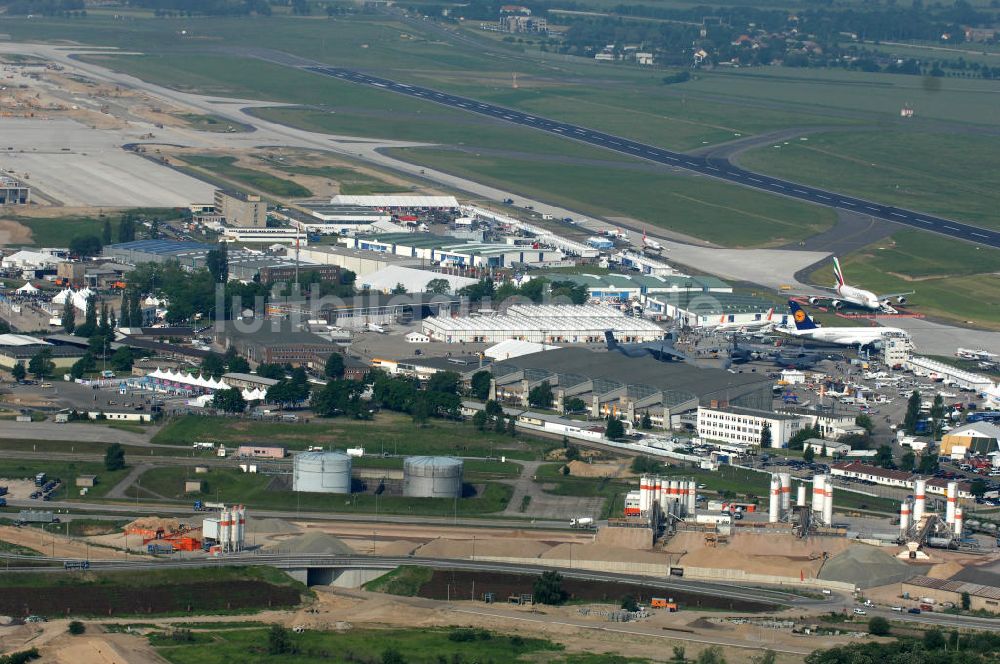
{"x": 581, "y": 522}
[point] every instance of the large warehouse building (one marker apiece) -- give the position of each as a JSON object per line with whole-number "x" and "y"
{"x": 711, "y": 309}
{"x": 543, "y": 323}
{"x": 397, "y": 202}
{"x": 622, "y": 288}
{"x": 440, "y": 249}
{"x": 629, "y": 387}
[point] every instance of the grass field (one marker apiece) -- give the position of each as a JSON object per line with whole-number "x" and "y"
{"x": 255, "y": 490}
{"x": 389, "y": 432}
{"x": 941, "y": 174}
{"x": 225, "y": 167}
{"x": 132, "y": 452}
{"x": 414, "y": 646}
{"x": 351, "y": 182}
{"x": 404, "y": 581}
{"x": 704, "y": 208}
{"x": 58, "y": 231}
{"x": 67, "y": 471}
{"x": 951, "y": 279}
{"x": 213, "y": 123}
{"x": 567, "y": 485}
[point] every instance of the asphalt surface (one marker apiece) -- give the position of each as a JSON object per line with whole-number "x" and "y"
{"x": 716, "y": 167}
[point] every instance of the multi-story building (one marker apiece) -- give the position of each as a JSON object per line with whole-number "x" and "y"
{"x": 241, "y": 209}
{"x": 743, "y": 426}
{"x": 13, "y": 192}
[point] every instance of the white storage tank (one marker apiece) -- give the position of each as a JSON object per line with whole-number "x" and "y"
{"x": 322, "y": 472}
{"x": 432, "y": 477}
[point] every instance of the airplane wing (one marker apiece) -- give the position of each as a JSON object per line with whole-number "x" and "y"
{"x": 893, "y": 296}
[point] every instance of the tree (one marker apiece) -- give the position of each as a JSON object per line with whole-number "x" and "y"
{"x": 420, "y": 409}
{"x": 937, "y": 416}
{"x": 978, "y": 487}
{"x": 879, "y": 626}
{"x": 540, "y": 396}
{"x": 572, "y": 453}
{"x": 106, "y": 233}
{"x": 908, "y": 461}
{"x": 89, "y": 327}
{"x": 966, "y": 600}
{"x": 480, "y": 420}
{"x": 711, "y": 655}
{"x": 934, "y": 639}
{"x": 392, "y": 656}
{"x": 574, "y": 405}
{"x": 912, "y": 412}
{"x": 41, "y": 364}
{"x": 77, "y": 628}
{"x": 808, "y": 455}
{"x": 883, "y": 456}
{"x": 766, "y": 657}
{"x": 18, "y": 372}
{"x": 83, "y": 366}
{"x": 629, "y": 603}
{"x": 823, "y": 451}
{"x": 114, "y": 457}
{"x": 398, "y": 289}
{"x": 511, "y": 428}
{"x": 928, "y": 462}
{"x": 85, "y": 246}
{"x": 334, "y": 367}
{"x": 68, "y": 320}
{"x": 275, "y": 371}
{"x": 279, "y": 641}
{"x": 680, "y": 654}
{"x": 765, "y": 436}
{"x": 340, "y": 397}
{"x": 230, "y": 401}
{"x": 234, "y": 362}
{"x": 438, "y": 286}
{"x": 865, "y": 421}
{"x": 121, "y": 359}
{"x": 615, "y": 429}
{"x": 214, "y": 365}
{"x": 797, "y": 442}
{"x": 646, "y": 422}
{"x": 479, "y": 384}
{"x": 548, "y": 589}
{"x": 217, "y": 262}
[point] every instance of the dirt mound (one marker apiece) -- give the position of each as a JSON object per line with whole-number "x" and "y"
{"x": 582, "y": 469}
{"x": 866, "y": 566}
{"x": 626, "y": 538}
{"x": 603, "y": 552}
{"x": 151, "y": 524}
{"x": 271, "y": 527}
{"x": 317, "y": 543}
{"x": 776, "y": 554}
{"x": 497, "y": 548}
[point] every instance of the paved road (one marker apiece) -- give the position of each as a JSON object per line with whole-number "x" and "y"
{"x": 717, "y": 167}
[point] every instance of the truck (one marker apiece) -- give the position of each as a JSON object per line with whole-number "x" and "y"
{"x": 39, "y": 479}
{"x": 581, "y": 522}
{"x": 207, "y": 507}
{"x": 76, "y": 564}
{"x": 159, "y": 548}
{"x": 35, "y": 516}
{"x": 663, "y": 603}
{"x": 203, "y": 446}
{"x": 3, "y": 491}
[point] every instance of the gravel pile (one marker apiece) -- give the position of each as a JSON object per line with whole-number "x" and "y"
{"x": 312, "y": 543}
{"x": 866, "y": 567}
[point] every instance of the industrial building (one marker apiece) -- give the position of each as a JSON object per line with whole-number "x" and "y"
{"x": 541, "y": 235}
{"x": 371, "y": 308}
{"x": 271, "y": 341}
{"x": 13, "y": 191}
{"x": 444, "y": 250}
{"x": 980, "y": 438}
{"x": 949, "y": 374}
{"x": 410, "y": 279}
{"x": 397, "y": 202}
{"x": 268, "y": 236}
{"x": 743, "y": 426}
{"x": 424, "y": 367}
{"x": 941, "y": 591}
{"x": 432, "y": 477}
{"x": 322, "y": 472}
{"x": 20, "y": 348}
{"x": 643, "y": 264}
{"x": 709, "y": 309}
{"x": 551, "y": 324}
{"x": 240, "y": 209}
{"x": 359, "y": 261}
{"x": 629, "y": 387}
{"x": 189, "y": 255}
{"x": 623, "y": 288}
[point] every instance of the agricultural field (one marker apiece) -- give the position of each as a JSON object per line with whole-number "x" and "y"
{"x": 695, "y": 206}
{"x": 154, "y": 592}
{"x": 941, "y": 174}
{"x": 951, "y": 279}
{"x": 388, "y": 432}
{"x": 225, "y": 167}
{"x": 270, "y": 492}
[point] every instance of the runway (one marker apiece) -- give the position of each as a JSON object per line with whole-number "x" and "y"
{"x": 716, "y": 167}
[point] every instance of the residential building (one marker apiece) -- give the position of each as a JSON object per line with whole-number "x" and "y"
{"x": 240, "y": 209}
{"x": 743, "y": 426}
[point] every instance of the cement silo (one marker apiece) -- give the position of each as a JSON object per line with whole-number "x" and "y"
{"x": 432, "y": 477}
{"x": 322, "y": 472}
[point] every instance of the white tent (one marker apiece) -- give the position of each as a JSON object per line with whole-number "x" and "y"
{"x": 27, "y": 288}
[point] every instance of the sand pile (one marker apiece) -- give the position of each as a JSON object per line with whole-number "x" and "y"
{"x": 944, "y": 570}
{"x": 626, "y": 538}
{"x": 778, "y": 555}
{"x": 312, "y": 543}
{"x": 271, "y": 527}
{"x": 151, "y": 524}
{"x": 866, "y": 567}
{"x": 497, "y": 548}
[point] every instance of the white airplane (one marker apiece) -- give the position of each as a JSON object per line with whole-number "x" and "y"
{"x": 765, "y": 323}
{"x": 807, "y": 329}
{"x": 858, "y": 297}
{"x": 652, "y": 245}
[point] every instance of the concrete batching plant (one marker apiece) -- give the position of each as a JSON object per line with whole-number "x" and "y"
{"x": 322, "y": 472}
{"x": 226, "y": 533}
{"x": 432, "y": 477}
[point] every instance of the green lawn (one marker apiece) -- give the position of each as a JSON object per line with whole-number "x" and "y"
{"x": 388, "y": 432}
{"x": 405, "y": 581}
{"x": 951, "y": 279}
{"x": 350, "y": 181}
{"x": 254, "y": 490}
{"x": 566, "y": 485}
{"x": 702, "y": 207}
{"x": 941, "y": 174}
{"x": 225, "y": 167}
{"x": 132, "y": 452}
{"x": 67, "y": 471}
{"x": 58, "y": 231}
{"x": 415, "y": 646}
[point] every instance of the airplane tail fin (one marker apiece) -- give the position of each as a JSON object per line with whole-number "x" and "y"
{"x": 609, "y": 337}
{"x": 770, "y": 314}
{"x": 801, "y": 318}
{"x": 837, "y": 272}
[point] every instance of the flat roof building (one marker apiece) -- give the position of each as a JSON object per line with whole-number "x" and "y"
{"x": 241, "y": 209}
{"x": 361, "y": 262}
{"x": 13, "y": 191}
{"x": 745, "y": 426}
{"x": 397, "y": 202}
{"x": 272, "y": 341}
{"x": 439, "y": 249}
{"x": 709, "y": 309}
{"x": 624, "y": 287}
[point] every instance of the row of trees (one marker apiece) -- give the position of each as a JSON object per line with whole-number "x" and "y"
{"x": 534, "y": 290}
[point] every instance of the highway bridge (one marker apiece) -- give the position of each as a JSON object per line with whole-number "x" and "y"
{"x": 719, "y": 168}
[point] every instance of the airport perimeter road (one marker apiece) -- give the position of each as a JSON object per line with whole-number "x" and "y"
{"x": 719, "y": 168}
